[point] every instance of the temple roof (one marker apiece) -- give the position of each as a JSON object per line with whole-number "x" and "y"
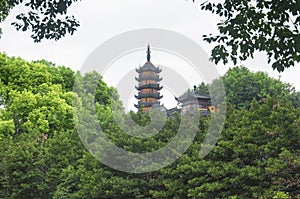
{"x": 192, "y": 94}
{"x": 172, "y": 111}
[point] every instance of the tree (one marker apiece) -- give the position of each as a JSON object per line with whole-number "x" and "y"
{"x": 37, "y": 136}
{"x": 42, "y": 156}
{"x": 272, "y": 27}
{"x": 242, "y": 86}
{"x": 255, "y": 157}
{"x": 45, "y": 19}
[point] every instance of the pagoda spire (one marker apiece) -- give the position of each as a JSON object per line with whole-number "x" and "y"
{"x": 148, "y": 53}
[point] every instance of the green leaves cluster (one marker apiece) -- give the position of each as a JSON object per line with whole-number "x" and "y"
{"x": 272, "y": 27}
{"x": 44, "y": 18}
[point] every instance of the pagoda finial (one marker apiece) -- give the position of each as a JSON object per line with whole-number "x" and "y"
{"x": 148, "y": 53}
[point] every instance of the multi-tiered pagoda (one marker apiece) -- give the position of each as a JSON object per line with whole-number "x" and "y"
{"x": 148, "y": 85}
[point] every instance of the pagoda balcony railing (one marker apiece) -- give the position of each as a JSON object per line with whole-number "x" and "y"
{"x": 145, "y": 104}
{"x": 147, "y": 86}
{"x": 148, "y": 95}
{"x": 148, "y": 77}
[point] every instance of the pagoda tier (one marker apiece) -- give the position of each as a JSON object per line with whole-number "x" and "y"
{"x": 149, "y": 77}
{"x": 148, "y": 95}
{"x": 148, "y": 85}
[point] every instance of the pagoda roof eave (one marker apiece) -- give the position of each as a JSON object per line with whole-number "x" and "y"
{"x": 148, "y": 66}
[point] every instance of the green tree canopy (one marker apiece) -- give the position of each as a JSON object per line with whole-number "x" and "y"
{"x": 242, "y": 86}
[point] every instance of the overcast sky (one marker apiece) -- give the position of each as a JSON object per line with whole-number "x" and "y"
{"x": 101, "y": 20}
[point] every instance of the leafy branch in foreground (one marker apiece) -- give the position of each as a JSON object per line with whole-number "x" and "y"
{"x": 44, "y": 18}
{"x": 249, "y": 26}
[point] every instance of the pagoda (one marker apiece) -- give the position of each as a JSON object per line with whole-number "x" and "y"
{"x": 148, "y": 85}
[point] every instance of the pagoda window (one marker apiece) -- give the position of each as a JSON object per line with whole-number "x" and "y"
{"x": 151, "y": 82}
{"x": 148, "y": 73}
{"x": 152, "y": 100}
{"x": 148, "y": 90}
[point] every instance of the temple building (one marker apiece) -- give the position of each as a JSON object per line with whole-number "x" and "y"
{"x": 193, "y": 100}
{"x": 148, "y": 85}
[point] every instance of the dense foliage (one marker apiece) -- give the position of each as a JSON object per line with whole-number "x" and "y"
{"x": 42, "y": 156}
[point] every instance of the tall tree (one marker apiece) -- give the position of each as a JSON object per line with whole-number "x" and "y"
{"x": 37, "y": 135}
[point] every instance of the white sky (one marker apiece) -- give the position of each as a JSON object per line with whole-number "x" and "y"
{"x": 101, "y": 20}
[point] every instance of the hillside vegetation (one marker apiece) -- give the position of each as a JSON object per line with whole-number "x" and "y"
{"x": 42, "y": 156}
